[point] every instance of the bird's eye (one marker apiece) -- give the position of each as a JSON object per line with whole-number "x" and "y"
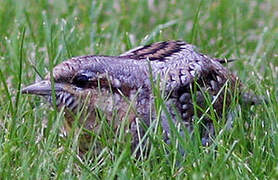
{"x": 80, "y": 80}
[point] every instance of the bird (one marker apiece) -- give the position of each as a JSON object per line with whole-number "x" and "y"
{"x": 124, "y": 84}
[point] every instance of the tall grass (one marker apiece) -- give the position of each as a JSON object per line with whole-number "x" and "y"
{"x": 37, "y": 35}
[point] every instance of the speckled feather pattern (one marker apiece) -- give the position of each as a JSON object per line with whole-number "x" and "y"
{"x": 108, "y": 79}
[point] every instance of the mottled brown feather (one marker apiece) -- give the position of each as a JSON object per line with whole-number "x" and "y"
{"x": 126, "y": 78}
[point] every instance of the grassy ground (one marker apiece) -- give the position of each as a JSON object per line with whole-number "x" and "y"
{"x": 30, "y": 144}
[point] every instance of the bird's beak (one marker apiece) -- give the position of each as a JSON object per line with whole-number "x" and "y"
{"x": 42, "y": 88}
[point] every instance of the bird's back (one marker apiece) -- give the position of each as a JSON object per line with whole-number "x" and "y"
{"x": 123, "y": 84}
{"x": 188, "y": 78}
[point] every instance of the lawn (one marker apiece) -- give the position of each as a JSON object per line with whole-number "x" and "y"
{"x": 37, "y": 35}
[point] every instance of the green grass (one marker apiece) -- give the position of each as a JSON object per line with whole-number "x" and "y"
{"x": 36, "y": 35}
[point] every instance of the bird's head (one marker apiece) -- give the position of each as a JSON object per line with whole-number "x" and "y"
{"x": 74, "y": 80}
{"x": 94, "y": 81}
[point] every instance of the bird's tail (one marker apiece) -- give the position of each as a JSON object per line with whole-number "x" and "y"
{"x": 246, "y": 97}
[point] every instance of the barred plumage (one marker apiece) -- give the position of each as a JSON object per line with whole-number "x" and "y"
{"x": 106, "y": 81}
